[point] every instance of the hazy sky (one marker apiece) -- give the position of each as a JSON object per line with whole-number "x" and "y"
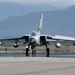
{"x": 52, "y": 2}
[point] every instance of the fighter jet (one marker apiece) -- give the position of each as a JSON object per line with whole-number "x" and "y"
{"x": 36, "y": 38}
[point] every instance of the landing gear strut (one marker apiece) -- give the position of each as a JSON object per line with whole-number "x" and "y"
{"x": 27, "y": 50}
{"x": 33, "y": 52}
{"x": 47, "y": 50}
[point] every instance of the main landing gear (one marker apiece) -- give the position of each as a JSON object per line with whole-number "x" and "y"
{"x": 47, "y": 49}
{"x": 47, "y": 52}
{"x": 34, "y": 52}
{"x": 27, "y": 52}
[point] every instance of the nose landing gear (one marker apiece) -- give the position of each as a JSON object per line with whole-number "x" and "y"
{"x": 33, "y": 51}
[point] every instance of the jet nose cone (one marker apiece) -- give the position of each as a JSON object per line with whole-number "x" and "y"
{"x": 32, "y": 41}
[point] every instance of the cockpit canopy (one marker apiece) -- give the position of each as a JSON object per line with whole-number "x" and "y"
{"x": 34, "y": 33}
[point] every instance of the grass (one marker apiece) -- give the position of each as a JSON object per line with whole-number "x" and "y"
{"x": 21, "y": 48}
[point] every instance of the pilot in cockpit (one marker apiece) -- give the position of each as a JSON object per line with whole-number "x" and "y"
{"x": 33, "y": 33}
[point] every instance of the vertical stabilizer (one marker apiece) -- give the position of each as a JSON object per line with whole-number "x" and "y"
{"x": 40, "y": 27}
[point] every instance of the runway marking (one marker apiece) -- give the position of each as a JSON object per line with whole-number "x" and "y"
{"x": 34, "y": 72}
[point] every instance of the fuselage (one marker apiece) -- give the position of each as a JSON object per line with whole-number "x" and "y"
{"x": 34, "y": 39}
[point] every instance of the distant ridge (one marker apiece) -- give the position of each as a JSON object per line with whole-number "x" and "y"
{"x": 14, "y": 9}
{"x": 71, "y": 7}
{"x": 60, "y": 22}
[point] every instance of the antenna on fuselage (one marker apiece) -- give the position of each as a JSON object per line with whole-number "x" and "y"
{"x": 40, "y": 26}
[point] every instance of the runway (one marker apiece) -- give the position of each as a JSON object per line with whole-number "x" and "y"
{"x": 37, "y": 66}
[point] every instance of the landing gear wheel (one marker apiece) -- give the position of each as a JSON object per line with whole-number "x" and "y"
{"x": 27, "y": 50}
{"x": 33, "y": 52}
{"x": 47, "y": 50}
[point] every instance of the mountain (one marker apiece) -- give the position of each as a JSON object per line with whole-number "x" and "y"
{"x": 60, "y": 22}
{"x": 14, "y": 9}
